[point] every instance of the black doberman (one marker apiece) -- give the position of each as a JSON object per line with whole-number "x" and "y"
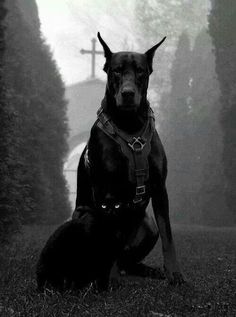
{"x": 124, "y": 161}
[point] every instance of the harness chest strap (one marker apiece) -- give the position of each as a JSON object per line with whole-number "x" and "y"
{"x": 135, "y": 148}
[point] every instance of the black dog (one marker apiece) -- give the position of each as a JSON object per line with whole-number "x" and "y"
{"x": 124, "y": 160}
{"x": 84, "y": 250}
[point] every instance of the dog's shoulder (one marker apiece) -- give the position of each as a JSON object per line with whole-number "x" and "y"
{"x": 100, "y": 139}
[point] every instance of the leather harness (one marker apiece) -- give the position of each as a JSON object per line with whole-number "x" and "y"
{"x": 135, "y": 148}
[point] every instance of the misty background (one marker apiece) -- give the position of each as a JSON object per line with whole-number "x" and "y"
{"x": 49, "y": 101}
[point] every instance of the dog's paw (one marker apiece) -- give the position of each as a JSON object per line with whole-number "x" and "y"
{"x": 115, "y": 283}
{"x": 177, "y": 279}
{"x": 155, "y": 273}
{"x": 174, "y": 278}
{"x": 143, "y": 270}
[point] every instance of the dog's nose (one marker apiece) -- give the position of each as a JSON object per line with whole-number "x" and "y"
{"x": 127, "y": 93}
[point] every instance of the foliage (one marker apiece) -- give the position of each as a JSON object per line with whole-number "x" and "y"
{"x": 176, "y": 128}
{"x": 193, "y": 137}
{"x": 170, "y": 17}
{"x": 10, "y": 199}
{"x": 33, "y": 144}
{"x": 222, "y": 23}
{"x": 156, "y": 19}
{"x": 207, "y": 141}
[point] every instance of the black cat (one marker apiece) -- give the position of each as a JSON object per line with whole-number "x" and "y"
{"x": 84, "y": 250}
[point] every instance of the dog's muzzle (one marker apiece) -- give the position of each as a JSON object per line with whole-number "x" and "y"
{"x": 128, "y": 95}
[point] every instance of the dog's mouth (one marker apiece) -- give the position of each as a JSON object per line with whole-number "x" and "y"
{"x": 127, "y": 107}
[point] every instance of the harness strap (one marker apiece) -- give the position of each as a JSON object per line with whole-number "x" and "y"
{"x": 135, "y": 148}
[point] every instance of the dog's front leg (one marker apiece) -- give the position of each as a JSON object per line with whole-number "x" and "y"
{"x": 161, "y": 211}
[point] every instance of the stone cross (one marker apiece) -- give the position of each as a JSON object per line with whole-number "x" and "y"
{"x": 93, "y": 52}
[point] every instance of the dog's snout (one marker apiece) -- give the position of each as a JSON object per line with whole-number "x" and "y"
{"x": 127, "y": 93}
{"x": 127, "y": 98}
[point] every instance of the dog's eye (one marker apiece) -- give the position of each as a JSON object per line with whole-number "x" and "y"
{"x": 140, "y": 70}
{"x": 117, "y": 206}
{"x": 103, "y": 206}
{"x": 118, "y": 70}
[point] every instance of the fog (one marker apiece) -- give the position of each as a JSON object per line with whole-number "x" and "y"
{"x": 191, "y": 90}
{"x": 69, "y": 25}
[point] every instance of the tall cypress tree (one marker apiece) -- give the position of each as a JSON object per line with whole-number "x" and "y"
{"x": 222, "y": 26}
{"x": 10, "y": 199}
{"x": 206, "y": 134}
{"x": 37, "y": 96}
{"x": 175, "y": 129}
{"x": 54, "y": 121}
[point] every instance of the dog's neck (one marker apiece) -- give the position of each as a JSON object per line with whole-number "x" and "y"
{"x": 129, "y": 122}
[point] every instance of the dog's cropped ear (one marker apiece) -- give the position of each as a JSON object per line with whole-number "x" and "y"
{"x": 107, "y": 52}
{"x": 150, "y": 54}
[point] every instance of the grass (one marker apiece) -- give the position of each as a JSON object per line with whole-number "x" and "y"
{"x": 207, "y": 257}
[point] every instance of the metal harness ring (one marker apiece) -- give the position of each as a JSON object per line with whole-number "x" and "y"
{"x": 137, "y": 145}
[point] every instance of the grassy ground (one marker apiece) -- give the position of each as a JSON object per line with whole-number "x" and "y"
{"x": 207, "y": 257}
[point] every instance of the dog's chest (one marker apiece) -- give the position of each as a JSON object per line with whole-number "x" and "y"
{"x": 113, "y": 160}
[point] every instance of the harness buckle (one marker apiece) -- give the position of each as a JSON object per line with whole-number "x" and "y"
{"x": 137, "y": 145}
{"x": 140, "y": 190}
{"x": 137, "y": 200}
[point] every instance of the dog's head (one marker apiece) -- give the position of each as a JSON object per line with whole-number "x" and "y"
{"x": 128, "y": 74}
